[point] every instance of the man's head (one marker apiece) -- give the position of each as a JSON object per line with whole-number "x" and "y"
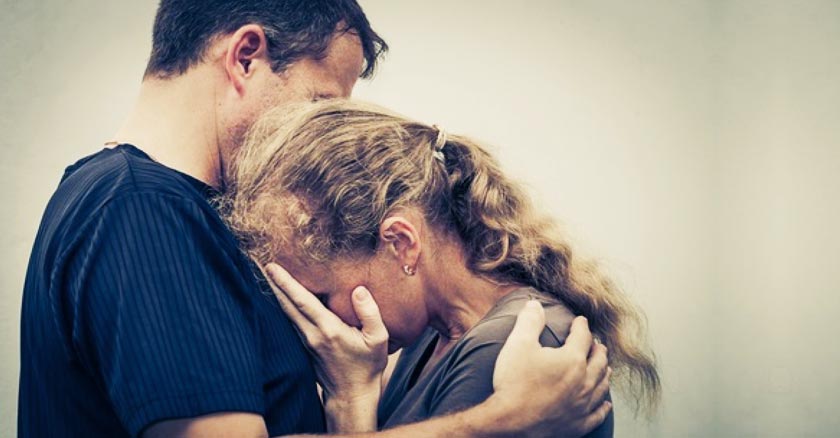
{"x": 294, "y": 30}
{"x": 256, "y": 54}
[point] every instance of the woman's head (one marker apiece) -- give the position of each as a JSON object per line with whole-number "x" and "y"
{"x": 319, "y": 181}
{"x": 345, "y": 192}
{"x": 339, "y": 167}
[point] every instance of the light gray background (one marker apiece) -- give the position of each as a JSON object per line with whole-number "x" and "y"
{"x": 692, "y": 145}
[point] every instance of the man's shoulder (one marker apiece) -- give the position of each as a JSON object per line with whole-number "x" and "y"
{"x": 112, "y": 173}
{"x": 120, "y": 186}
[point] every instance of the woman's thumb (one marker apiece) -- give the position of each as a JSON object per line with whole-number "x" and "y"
{"x": 368, "y": 313}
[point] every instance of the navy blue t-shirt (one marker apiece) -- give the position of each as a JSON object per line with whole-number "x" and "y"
{"x": 139, "y": 307}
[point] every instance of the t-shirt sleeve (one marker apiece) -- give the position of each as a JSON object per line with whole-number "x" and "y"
{"x": 469, "y": 380}
{"x": 161, "y": 315}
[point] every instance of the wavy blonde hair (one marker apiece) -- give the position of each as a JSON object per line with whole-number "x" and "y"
{"x": 318, "y": 179}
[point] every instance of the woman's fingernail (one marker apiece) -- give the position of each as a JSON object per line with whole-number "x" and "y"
{"x": 361, "y": 294}
{"x": 274, "y": 270}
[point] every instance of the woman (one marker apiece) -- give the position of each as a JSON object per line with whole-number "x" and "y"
{"x": 344, "y": 194}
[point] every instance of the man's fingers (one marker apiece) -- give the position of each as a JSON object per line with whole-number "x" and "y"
{"x": 523, "y": 339}
{"x": 367, "y": 311}
{"x": 597, "y": 417}
{"x": 580, "y": 338}
{"x": 596, "y": 366}
{"x": 600, "y": 392}
{"x": 304, "y": 301}
{"x": 529, "y": 324}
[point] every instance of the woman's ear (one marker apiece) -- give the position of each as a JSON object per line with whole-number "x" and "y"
{"x": 401, "y": 238}
{"x": 245, "y": 46}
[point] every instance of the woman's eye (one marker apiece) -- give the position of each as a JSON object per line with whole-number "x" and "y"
{"x": 322, "y": 97}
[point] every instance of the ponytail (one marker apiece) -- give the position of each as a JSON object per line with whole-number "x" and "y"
{"x": 507, "y": 242}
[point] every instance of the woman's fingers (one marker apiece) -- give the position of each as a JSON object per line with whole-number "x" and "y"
{"x": 303, "y": 300}
{"x": 348, "y": 362}
{"x": 288, "y": 307}
{"x": 373, "y": 329}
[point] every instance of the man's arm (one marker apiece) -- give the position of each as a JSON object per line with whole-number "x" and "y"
{"x": 159, "y": 317}
{"x": 540, "y": 392}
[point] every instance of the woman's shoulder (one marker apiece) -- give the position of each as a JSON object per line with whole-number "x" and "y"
{"x": 499, "y": 321}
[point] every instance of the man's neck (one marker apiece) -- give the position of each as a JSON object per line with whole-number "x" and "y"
{"x": 174, "y": 122}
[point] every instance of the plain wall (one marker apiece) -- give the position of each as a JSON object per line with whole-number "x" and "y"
{"x": 691, "y": 146}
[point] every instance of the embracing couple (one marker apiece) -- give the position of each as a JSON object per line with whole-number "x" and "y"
{"x": 251, "y": 232}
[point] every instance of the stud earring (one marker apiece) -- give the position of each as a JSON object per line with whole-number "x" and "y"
{"x": 409, "y": 270}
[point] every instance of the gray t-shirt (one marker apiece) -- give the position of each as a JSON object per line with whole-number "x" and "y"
{"x": 464, "y": 375}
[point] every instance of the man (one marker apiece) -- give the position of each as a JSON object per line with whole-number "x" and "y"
{"x": 142, "y": 318}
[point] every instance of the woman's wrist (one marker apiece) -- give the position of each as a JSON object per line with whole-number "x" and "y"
{"x": 352, "y": 411}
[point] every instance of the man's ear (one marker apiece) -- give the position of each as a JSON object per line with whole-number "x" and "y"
{"x": 245, "y": 46}
{"x": 401, "y": 238}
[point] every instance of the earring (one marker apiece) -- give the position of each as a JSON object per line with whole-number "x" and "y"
{"x": 409, "y": 270}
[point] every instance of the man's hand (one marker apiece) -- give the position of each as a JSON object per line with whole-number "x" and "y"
{"x": 348, "y": 361}
{"x": 550, "y": 392}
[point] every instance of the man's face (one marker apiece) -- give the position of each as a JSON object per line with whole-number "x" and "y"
{"x": 307, "y": 79}
{"x": 327, "y": 78}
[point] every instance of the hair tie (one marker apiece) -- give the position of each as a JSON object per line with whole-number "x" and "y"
{"x": 440, "y": 142}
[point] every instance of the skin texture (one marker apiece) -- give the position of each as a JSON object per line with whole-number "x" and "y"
{"x": 193, "y": 123}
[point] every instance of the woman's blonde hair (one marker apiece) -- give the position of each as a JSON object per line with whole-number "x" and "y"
{"x": 318, "y": 179}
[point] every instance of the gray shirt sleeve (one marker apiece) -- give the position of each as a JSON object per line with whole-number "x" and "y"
{"x": 464, "y": 377}
{"x": 470, "y": 380}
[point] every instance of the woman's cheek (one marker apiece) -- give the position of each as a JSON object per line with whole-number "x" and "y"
{"x": 342, "y": 307}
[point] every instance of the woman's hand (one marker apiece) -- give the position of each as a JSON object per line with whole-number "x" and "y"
{"x": 348, "y": 361}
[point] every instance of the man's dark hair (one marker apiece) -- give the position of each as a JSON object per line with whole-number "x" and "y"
{"x": 294, "y": 29}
